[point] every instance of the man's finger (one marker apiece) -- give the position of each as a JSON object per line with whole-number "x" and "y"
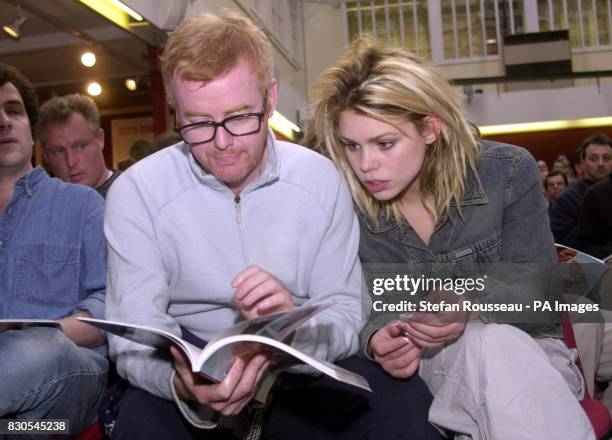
{"x": 258, "y": 292}
{"x": 224, "y": 390}
{"x": 241, "y": 277}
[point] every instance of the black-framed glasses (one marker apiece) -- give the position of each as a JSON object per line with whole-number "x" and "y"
{"x": 237, "y": 125}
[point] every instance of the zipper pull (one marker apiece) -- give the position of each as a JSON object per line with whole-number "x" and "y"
{"x": 237, "y": 214}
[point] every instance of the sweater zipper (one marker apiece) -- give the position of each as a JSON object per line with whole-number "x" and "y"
{"x": 238, "y": 218}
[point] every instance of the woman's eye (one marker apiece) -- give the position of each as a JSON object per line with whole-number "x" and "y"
{"x": 351, "y": 147}
{"x": 385, "y": 145}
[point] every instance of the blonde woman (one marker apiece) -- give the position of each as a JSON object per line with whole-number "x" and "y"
{"x": 427, "y": 190}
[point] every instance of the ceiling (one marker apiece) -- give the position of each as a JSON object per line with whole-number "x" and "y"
{"x": 57, "y": 32}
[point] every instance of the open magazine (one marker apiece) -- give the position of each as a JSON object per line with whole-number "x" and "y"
{"x": 582, "y": 272}
{"x": 567, "y": 254}
{"x": 245, "y": 339}
{"x": 25, "y": 323}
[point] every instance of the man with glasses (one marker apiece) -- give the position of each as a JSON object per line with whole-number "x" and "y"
{"x": 233, "y": 224}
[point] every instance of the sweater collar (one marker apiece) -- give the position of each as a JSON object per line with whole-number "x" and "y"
{"x": 269, "y": 174}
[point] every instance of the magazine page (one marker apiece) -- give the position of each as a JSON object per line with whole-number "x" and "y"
{"x": 144, "y": 335}
{"x": 567, "y": 254}
{"x": 277, "y": 325}
{"x": 217, "y": 357}
{"x": 286, "y": 323}
{"x": 25, "y": 323}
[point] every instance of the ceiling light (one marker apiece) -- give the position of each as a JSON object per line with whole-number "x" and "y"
{"x": 88, "y": 59}
{"x": 14, "y": 29}
{"x": 131, "y": 84}
{"x": 94, "y": 88}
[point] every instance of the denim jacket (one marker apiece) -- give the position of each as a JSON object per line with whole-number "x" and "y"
{"x": 503, "y": 219}
{"x": 52, "y": 250}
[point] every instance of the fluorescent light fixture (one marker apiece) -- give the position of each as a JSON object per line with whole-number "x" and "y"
{"x": 94, "y": 88}
{"x": 132, "y": 13}
{"x": 88, "y": 59}
{"x": 283, "y": 125}
{"x": 107, "y": 9}
{"x": 529, "y": 127}
{"x": 14, "y": 29}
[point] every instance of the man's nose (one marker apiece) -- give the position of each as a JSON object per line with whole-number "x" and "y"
{"x": 71, "y": 158}
{"x": 223, "y": 139}
{"x": 4, "y": 119}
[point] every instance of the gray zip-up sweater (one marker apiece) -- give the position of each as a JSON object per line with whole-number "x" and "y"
{"x": 177, "y": 237}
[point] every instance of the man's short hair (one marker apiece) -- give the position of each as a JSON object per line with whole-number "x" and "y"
{"x": 576, "y": 158}
{"x": 60, "y": 108}
{"x": 206, "y": 47}
{"x": 597, "y": 138}
{"x": 554, "y": 173}
{"x": 9, "y": 74}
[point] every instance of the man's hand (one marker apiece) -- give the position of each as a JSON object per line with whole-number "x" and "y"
{"x": 397, "y": 354}
{"x": 80, "y": 333}
{"x": 228, "y": 397}
{"x": 259, "y": 293}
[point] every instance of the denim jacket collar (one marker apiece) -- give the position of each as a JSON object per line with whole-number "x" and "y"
{"x": 473, "y": 195}
{"x": 31, "y": 180}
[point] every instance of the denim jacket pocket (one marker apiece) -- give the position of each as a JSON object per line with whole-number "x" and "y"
{"x": 48, "y": 274}
{"x": 486, "y": 250}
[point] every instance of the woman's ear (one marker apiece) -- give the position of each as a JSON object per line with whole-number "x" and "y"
{"x": 432, "y": 127}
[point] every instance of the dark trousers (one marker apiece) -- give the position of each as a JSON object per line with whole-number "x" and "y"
{"x": 302, "y": 407}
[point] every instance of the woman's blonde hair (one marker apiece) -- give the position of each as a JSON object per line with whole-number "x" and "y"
{"x": 395, "y": 86}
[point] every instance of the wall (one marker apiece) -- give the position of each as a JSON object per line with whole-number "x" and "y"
{"x": 289, "y": 72}
{"x": 547, "y": 145}
{"x": 324, "y": 38}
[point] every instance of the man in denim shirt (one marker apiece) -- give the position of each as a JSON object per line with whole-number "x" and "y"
{"x": 52, "y": 266}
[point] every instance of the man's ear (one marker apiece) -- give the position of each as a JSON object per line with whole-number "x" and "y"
{"x": 100, "y": 138}
{"x": 272, "y": 97}
{"x": 432, "y": 127}
{"x": 43, "y": 151}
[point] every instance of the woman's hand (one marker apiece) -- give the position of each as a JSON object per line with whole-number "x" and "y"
{"x": 396, "y": 353}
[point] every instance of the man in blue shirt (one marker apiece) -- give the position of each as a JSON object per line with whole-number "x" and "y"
{"x": 52, "y": 266}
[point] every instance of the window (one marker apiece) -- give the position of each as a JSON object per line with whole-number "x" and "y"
{"x": 397, "y": 23}
{"x": 589, "y": 21}
{"x": 472, "y": 28}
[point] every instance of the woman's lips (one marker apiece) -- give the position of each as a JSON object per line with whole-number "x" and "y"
{"x": 376, "y": 185}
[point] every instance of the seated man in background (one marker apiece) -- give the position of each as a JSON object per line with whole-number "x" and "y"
{"x": 232, "y": 224}
{"x": 542, "y": 168}
{"x": 554, "y": 183}
{"x": 52, "y": 266}
{"x": 594, "y": 233}
{"x": 596, "y": 166}
{"x": 73, "y": 142}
